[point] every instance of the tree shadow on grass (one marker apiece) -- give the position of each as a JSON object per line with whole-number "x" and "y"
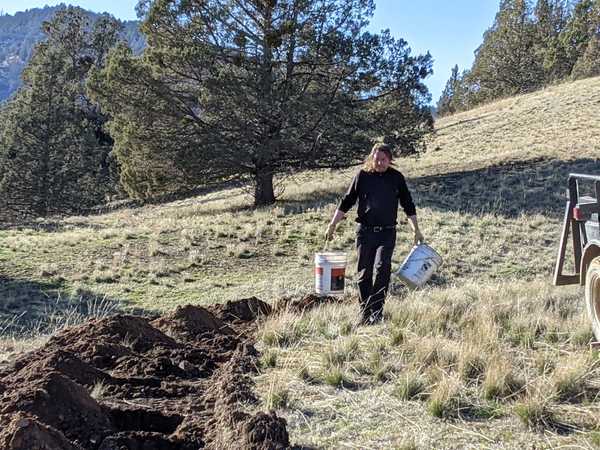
{"x": 508, "y": 190}
{"x": 29, "y": 308}
{"x": 535, "y": 186}
{"x": 527, "y": 187}
{"x": 53, "y": 224}
{"x": 48, "y": 225}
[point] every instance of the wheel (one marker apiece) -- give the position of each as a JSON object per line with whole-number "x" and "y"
{"x": 592, "y": 295}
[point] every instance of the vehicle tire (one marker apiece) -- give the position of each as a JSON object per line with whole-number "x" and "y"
{"x": 592, "y": 295}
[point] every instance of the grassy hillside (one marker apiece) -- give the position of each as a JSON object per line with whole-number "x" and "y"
{"x": 559, "y": 122}
{"x": 489, "y": 355}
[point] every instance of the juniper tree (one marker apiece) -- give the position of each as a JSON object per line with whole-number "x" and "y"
{"x": 43, "y": 139}
{"x": 505, "y": 64}
{"x": 454, "y": 95}
{"x": 579, "y": 30}
{"x": 253, "y": 88}
{"x": 550, "y": 20}
{"x": 3, "y": 83}
{"x": 54, "y": 155}
{"x": 588, "y": 64}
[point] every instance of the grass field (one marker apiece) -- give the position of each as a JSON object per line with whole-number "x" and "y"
{"x": 488, "y": 356}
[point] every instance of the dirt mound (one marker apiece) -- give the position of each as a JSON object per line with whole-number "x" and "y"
{"x": 67, "y": 363}
{"x": 59, "y": 402}
{"x": 133, "y": 332}
{"x": 26, "y": 433}
{"x": 305, "y": 303}
{"x": 167, "y": 365}
{"x": 192, "y": 322}
{"x": 266, "y": 431}
{"x": 244, "y": 310}
{"x": 125, "y": 382}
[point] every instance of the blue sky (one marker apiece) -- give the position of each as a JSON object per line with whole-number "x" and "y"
{"x": 449, "y": 30}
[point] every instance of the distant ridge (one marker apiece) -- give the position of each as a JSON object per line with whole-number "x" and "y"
{"x": 19, "y": 33}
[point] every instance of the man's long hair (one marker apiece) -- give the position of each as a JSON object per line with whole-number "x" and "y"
{"x": 369, "y": 163}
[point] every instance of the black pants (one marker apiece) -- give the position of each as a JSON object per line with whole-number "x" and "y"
{"x": 375, "y": 250}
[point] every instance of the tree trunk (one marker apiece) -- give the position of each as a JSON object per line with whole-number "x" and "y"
{"x": 263, "y": 188}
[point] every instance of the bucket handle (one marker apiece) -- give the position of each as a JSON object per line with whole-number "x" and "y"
{"x": 325, "y": 244}
{"x": 427, "y": 258}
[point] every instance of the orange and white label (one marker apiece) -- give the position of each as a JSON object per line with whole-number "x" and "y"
{"x": 338, "y": 272}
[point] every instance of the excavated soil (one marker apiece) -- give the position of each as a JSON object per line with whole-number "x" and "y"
{"x": 181, "y": 381}
{"x": 306, "y": 303}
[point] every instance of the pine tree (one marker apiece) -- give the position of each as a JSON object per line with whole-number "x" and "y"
{"x": 44, "y": 139}
{"x": 255, "y": 88}
{"x": 54, "y": 155}
{"x": 504, "y": 63}
{"x": 588, "y": 65}
{"x": 578, "y": 32}
{"x": 454, "y": 96}
{"x": 3, "y": 81}
{"x": 551, "y": 18}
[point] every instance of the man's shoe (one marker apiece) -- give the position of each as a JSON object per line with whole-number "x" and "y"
{"x": 364, "y": 320}
{"x": 376, "y": 318}
{"x": 371, "y": 319}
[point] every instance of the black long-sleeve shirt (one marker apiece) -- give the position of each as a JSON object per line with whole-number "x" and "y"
{"x": 378, "y": 194}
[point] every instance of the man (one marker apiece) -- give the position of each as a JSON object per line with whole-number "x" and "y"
{"x": 377, "y": 187}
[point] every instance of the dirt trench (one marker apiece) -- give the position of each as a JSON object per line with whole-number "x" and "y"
{"x": 178, "y": 382}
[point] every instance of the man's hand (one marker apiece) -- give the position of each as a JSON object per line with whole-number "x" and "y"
{"x": 329, "y": 232}
{"x": 419, "y": 239}
{"x": 337, "y": 216}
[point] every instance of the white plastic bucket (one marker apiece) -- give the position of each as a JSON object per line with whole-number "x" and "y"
{"x": 330, "y": 273}
{"x": 419, "y": 265}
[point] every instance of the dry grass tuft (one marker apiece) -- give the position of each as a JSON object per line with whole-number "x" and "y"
{"x": 342, "y": 353}
{"x": 98, "y": 391}
{"x": 269, "y": 359}
{"x": 410, "y": 385}
{"x": 472, "y": 365}
{"x": 407, "y": 444}
{"x": 336, "y": 377}
{"x": 500, "y": 380}
{"x": 447, "y": 399}
{"x": 536, "y": 413}
{"x": 571, "y": 380}
{"x": 278, "y": 398}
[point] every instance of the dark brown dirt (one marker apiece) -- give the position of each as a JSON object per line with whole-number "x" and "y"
{"x": 181, "y": 381}
{"x": 242, "y": 311}
{"x": 265, "y": 428}
{"x": 305, "y": 303}
{"x": 26, "y": 433}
